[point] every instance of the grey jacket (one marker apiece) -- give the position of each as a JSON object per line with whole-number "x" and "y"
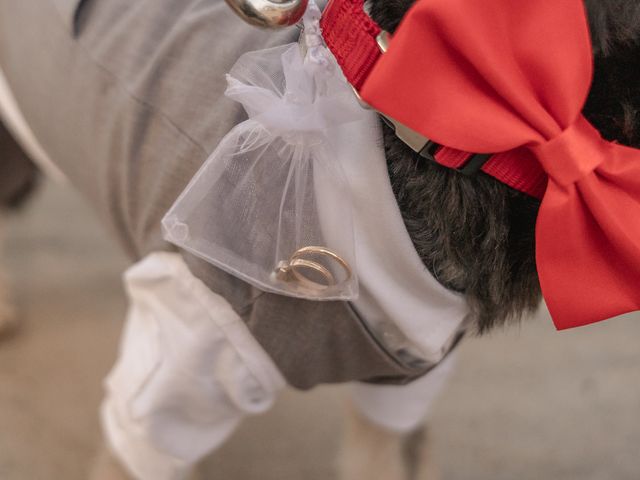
{"x": 127, "y": 98}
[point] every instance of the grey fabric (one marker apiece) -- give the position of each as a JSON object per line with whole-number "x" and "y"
{"x": 67, "y": 10}
{"x": 127, "y": 98}
{"x": 312, "y": 342}
{"x": 18, "y": 174}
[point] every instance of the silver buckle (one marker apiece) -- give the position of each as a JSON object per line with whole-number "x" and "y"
{"x": 269, "y": 13}
{"x": 417, "y": 142}
{"x": 382, "y": 40}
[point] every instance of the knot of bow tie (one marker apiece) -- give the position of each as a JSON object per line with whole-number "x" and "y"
{"x": 573, "y": 154}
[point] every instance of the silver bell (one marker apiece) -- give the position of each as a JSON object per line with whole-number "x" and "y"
{"x": 269, "y": 13}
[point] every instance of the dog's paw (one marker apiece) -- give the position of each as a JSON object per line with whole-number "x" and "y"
{"x": 370, "y": 452}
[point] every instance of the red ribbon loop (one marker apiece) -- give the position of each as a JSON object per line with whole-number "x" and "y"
{"x": 573, "y": 154}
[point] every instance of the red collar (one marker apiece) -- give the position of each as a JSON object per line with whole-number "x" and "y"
{"x": 353, "y": 38}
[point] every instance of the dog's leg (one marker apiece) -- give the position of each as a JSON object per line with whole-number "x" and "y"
{"x": 7, "y": 312}
{"x": 418, "y": 448}
{"x": 106, "y": 467}
{"x": 18, "y": 177}
{"x": 383, "y": 431}
{"x": 370, "y": 452}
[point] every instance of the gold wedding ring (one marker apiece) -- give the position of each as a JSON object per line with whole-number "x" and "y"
{"x": 298, "y": 265}
{"x": 318, "y": 261}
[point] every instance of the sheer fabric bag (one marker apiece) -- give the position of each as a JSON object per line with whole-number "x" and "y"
{"x": 271, "y": 205}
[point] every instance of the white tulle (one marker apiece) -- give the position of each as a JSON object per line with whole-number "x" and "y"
{"x": 257, "y": 199}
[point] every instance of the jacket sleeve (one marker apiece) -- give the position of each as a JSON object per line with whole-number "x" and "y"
{"x": 188, "y": 372}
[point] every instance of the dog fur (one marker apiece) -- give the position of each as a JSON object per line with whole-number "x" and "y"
{"x": 474, "y": 234}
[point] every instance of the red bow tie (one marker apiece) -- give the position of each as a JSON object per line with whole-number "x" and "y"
{"x": 511, "y": 78}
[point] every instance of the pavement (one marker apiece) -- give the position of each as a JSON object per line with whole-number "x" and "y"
{"x": 527, "y": 403}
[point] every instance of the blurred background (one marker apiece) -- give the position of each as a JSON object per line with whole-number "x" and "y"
{"x": 528, "y": 403}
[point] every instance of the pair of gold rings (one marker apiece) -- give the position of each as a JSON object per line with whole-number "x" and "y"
{"x": 311, "y": 267}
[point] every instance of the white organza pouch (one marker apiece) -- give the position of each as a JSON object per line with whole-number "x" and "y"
{"x": 271, "y": 205}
